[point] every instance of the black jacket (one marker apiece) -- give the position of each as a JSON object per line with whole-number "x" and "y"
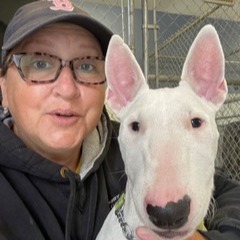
{"x": 41, "y": 200}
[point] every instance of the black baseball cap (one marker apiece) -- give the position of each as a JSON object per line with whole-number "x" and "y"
{"x": 33, "y": 16}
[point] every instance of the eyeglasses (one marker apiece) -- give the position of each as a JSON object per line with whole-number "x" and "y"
{"x": 41, "y": 68}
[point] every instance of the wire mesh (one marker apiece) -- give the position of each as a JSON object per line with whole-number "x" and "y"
{"x": 178, "y": 24}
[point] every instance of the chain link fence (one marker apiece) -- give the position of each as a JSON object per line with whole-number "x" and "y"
{"x": 160, "y": 33}
{"x": 176, "y": 29}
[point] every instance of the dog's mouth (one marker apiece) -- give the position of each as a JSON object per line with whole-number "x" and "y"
{"x": 171, "y": 234}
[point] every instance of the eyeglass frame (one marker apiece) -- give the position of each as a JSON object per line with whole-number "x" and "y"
{"x": 16, "y": 57}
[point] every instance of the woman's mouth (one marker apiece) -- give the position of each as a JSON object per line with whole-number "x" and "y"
{"x": 64, "y": 117}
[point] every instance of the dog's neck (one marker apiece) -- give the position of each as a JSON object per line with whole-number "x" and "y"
{"x": 127, "y": 215}
{"x": 120, "y": 214}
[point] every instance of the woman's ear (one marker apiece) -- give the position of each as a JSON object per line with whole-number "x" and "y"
{"x": 3, "y": 90}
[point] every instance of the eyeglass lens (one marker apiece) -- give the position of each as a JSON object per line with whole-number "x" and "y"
{"x": 43, "y": 67}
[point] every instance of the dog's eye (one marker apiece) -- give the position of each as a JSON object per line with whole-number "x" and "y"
{"x": 196, "y": 122}
{"x": 135, "y": 126}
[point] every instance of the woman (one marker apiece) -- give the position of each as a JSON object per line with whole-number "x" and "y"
{"x": 60, "y": 166}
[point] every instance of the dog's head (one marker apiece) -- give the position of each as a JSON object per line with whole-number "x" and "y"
{"x": 168, "y": 137}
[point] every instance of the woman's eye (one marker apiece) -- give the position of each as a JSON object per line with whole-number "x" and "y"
{"x": 86, "y": 67}
{"x": 41, "y": 64}
{"x": 196, "y": 122}
{"x": 135, "y": 126}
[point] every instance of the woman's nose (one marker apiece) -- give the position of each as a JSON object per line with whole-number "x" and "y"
{"x": 65, "y": 85}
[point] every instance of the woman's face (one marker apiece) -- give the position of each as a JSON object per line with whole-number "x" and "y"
{"x": 54, "y": 118}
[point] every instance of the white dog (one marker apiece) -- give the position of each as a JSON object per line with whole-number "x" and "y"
{"x": 168, "y": 140}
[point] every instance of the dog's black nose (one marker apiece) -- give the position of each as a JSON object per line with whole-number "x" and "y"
{"x": 174, "y": 215}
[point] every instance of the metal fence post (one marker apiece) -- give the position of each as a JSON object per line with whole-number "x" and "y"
{"x": 131, "y": 24}
{"x": 145, "y": 37}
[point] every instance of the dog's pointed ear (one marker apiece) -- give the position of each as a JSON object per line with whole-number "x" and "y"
{"x": 204, "y": 67}
{"x": 124, "y": 75}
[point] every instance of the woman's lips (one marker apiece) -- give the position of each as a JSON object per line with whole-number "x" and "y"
{"x": 65, "y": 117}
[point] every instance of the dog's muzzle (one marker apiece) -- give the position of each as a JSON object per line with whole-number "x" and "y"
{"x": 173, "y": 216}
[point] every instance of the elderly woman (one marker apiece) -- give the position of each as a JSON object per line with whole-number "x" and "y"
{"x": 60, "y": 166}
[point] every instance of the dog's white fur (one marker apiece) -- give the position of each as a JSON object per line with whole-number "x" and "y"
{"x": 166, "y": 157}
